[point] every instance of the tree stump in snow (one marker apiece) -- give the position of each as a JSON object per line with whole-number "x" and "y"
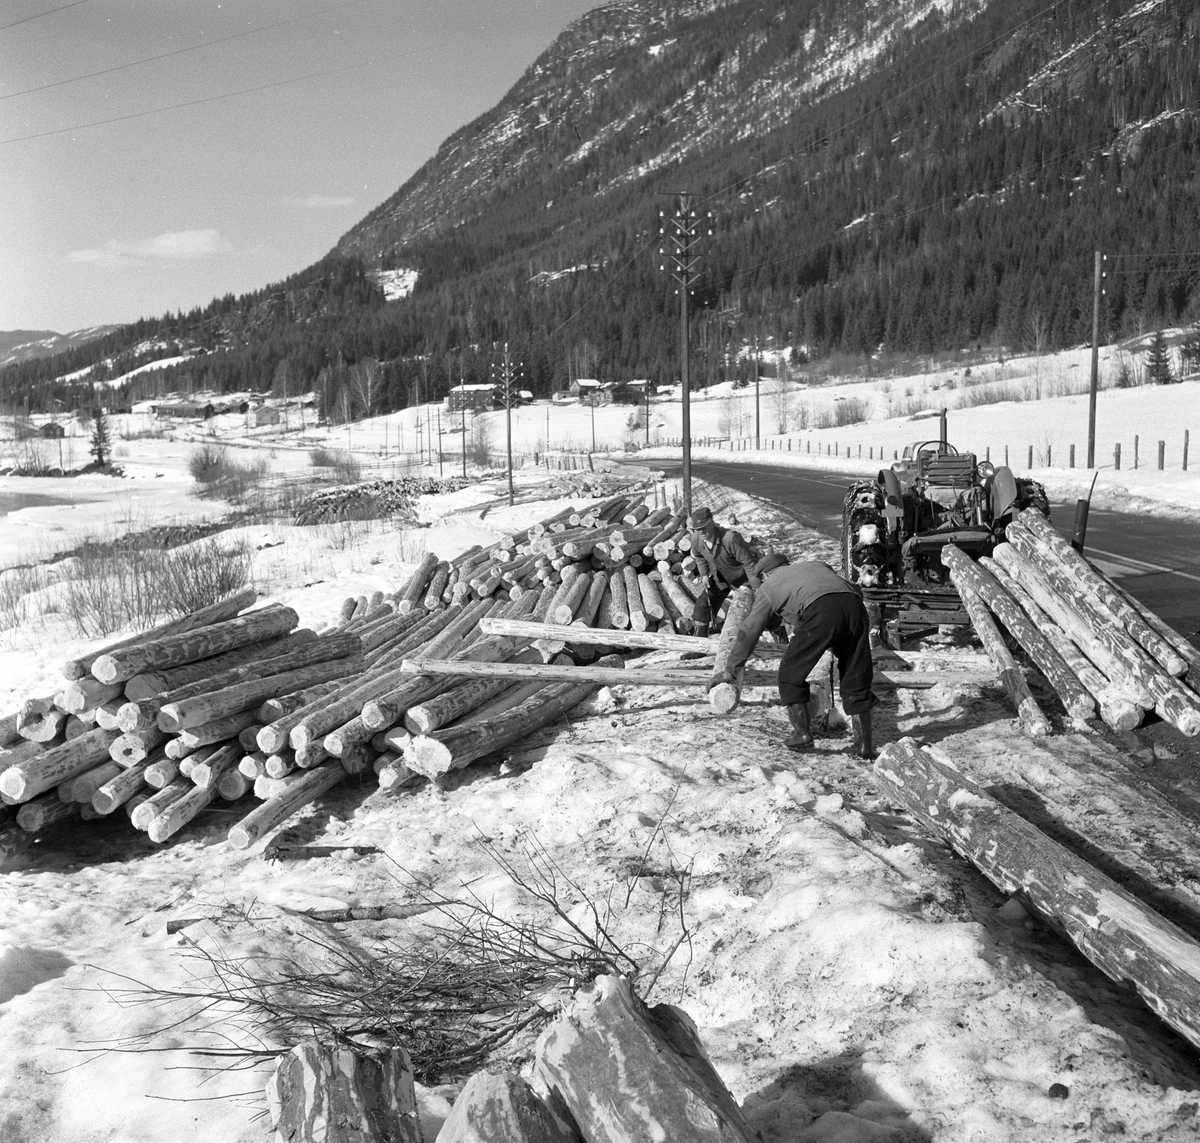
{"x": 320, "y": 1094}
{"x": 628, "y": 1073}
{"x": 503, "y": 1107}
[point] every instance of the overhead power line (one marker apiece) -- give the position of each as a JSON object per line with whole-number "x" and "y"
{"x": 177, "y": 51}
{"x": 209, "y": 98}
{"x": 39, "y": 15}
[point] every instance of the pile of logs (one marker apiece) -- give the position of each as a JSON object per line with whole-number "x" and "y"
{"x": 229, "y": 701}
{"x": 372, "y": 499}
{"x": 1103, "y": 653}
{"x": 608, "y": 1068}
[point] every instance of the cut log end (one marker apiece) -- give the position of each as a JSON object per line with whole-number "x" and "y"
{"x": 724, "y": 698}
{"x": 428, "y": 757}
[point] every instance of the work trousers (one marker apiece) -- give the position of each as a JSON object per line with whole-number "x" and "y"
{"x": 836, "y": 623}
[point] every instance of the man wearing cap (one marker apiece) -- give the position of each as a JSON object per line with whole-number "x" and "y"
{"x": 823, "y": 612}
{"x": 724, "y": 560}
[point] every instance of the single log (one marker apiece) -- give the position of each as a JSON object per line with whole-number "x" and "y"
{"x": 131, "y": 748}
{"x": 302, "y": 789}
{"x": 394, "y": 627}
{"x": 459, "y": 746}
{"x": 512, "y": 695}
{"x": 87, "y": 694}
{"x": 43, "y": 726}
{"x": 649, "y": 640}
{"x": 572, "y": 600}
{"x": 1105, "y": 594}
{"x": 208, "y": 773}
{"x": 1112, "y": 666}
{"x": 322, "y": 1094}
{"x": 1116, "y": 711}
{"x": 1033, "y": 721}
{"x": 27, "y": 779}
{"x": 724, "y": 697}
{"x": 45, "y": 811}
{"x": 107, "y": 716}
{"x": 564, "y": 672}
{"x": 248, "y": 735}
{"x": 233, "y": 785}
{"x": 21, "y": 751}
{"x": 619, "y": 609}
{"x": 217, "y": 731}
{"x": 118, "y": 790}
{"x": 83, "y": 788}
{"x": 188, "y": 646}
{"x": 391, "y": 740}
{"x": 148, "y": 810}
{"x": 1173, "y": 701}
{"x": 652, "y": 603}
{"x": 585, "y": 614}
{"x": 656, "y": 1078}
{"x": 1124, "y": 938}
{"x": 1181, "y": 644}
{"x": 214, "y": 613}
{"x": 311, "y": 755}
{"x": 494, "y": 1107}
{"x": 418, "y": 584}
{"x": 280, "y": 765}
{"x": 181, "y": 811}
{"x": 254, "y": 765}
{"x": 1075, "y": 697}
{"x": 184, "y": 713}
{"x": 683, "y": 602}
{"x": 395, "y": 775}
{"x": 437, "y": 585}
{"x": 346, "y": 612}
{"x": 151, "y": 683}
{"x": 162, "y": 773}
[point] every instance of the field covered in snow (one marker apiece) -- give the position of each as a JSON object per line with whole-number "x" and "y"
{"x": 852, "y": 980}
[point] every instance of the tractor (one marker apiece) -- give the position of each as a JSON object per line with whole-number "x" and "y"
{"x": 895, "y": 526}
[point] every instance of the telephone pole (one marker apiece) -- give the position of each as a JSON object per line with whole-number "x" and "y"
{"x": 1097, "y": 282}
{"x": 680, "y": 232}
{"x": 508, "y": 394}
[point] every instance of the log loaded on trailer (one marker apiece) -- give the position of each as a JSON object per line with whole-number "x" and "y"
{"x": 895, "y": 526}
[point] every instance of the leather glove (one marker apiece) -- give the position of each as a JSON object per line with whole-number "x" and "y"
{"x": 717, "y": 679}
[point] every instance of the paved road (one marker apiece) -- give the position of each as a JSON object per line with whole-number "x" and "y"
{"x": 1156, "y": 559}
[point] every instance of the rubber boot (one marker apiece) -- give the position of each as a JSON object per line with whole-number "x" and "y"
{"x": 864, "y": 745}
{"x": 801, "y": 737}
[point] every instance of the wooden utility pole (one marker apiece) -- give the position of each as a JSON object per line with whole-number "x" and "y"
{"x": 508, "y": 393}
{"x": 462, "y": 408}
{"x": 681, "y": 231}
{"x": 757, "y": 403}
{"x": 1097, "y": 278}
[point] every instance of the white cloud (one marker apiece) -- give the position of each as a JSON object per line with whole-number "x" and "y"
{"x": 319, "y": 201}
{"x": 172, "y": 246}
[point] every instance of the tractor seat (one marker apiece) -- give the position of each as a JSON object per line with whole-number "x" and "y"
{"x": 950, "y": 470}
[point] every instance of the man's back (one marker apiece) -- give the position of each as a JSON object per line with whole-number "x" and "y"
{"x": 791, "y": 588}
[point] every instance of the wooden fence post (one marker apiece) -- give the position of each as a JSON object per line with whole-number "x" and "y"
{"x": 1162, "y": 455}
{"x": 1117, "y": 457}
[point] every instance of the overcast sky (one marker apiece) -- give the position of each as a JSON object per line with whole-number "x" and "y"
{"x": 299, "y": 116}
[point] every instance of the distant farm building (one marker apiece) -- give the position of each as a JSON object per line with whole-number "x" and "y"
{"x": 587, "y": 389}
{"x": 472, "y": 398}
{"x": 53, "y": 430}
{"x": 265, "y": 415}
{"x": 184, "y": 410}
{"x": 630, "y": 392}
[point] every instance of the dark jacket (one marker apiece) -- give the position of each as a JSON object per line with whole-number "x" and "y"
{"x": 786, "y": 592}
{"x": 729, "y": 560}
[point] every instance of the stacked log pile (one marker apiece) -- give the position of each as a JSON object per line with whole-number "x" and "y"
{"x": 231, "y": 701}
{"x": 1103, "y": 654}
{"x": 374, "y": 499}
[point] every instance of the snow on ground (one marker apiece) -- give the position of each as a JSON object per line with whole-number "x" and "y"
{"x": 850, "y": 978}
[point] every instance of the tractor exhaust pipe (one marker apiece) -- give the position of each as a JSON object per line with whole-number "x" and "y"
{"x": 942, "y": 420}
